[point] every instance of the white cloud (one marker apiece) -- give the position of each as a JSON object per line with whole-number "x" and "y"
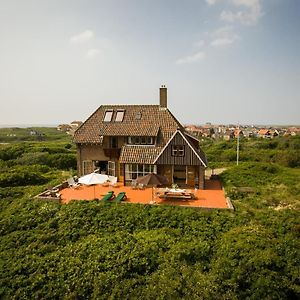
{"x": 221, "y": 42}
{"x": 199, "y": 56}
{"x": 249, "y": 16}
{"x": 223, "y": 36}
{"x": 92, "y": 53}
{"x": 82, "y": 37}
{"x": 248, "y": 3}
{"x": 211, "y": 2}
{"x": 200, "y": 43}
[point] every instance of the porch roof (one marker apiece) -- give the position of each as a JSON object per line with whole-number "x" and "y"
{"x": 139, "y": 154}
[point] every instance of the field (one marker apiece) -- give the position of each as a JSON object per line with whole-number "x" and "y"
{"x": 92, "y": 250}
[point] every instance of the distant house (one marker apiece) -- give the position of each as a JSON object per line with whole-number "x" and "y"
{"x": 228, "y": 135}
{"x": 293, "y": 131}
{"x": 267, "y": 133}
{"x": 75, "y": 124}
{"x": 264, "y": 133}
{"x": 64, "y": 127}
{"x": 129, "y": 141}
{"x": 238, "y": 133}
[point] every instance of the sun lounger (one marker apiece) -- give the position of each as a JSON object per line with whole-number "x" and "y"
{"x": 109, "y": 196}
{"x": 121, "y": 197}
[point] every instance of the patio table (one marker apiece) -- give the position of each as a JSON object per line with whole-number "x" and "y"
{"x": 177, "y": 194}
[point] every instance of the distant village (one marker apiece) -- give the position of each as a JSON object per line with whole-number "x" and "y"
{"x": 226, "y": 132}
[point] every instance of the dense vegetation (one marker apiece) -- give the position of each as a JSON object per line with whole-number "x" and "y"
{"x": 284, "y": 151}
{"x": 94, "y": 250}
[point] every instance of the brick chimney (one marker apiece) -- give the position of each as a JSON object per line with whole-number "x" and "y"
{"x": 163, "y": 97}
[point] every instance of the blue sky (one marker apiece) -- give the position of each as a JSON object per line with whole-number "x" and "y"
{"x": 223, "y": 61}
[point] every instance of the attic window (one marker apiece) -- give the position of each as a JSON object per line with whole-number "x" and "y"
{"x": 138, "y": 116}
{"x": 108, "y": 115}
{"x": 120, "y": 115}
{"x": 177, "y": 150}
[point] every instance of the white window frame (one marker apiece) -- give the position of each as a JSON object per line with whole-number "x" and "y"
{"x": 140, "y": 140}
{"x": 136, "y": 169}
{"x": 120, "y": 115}
{"x": 108, "y": 115}
{"x": 178, "y": 150}
{"x": 111, "y": 168}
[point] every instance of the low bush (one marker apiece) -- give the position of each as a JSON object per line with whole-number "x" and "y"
{"x": 20, "y": 176}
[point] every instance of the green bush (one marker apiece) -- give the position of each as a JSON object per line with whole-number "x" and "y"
{"x": 20, "y": 176}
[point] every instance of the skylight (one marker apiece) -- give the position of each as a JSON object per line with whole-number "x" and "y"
{"x": 108, "y": 115}
{"x": 120, "y": 115}
{"x": 138, "y": 116}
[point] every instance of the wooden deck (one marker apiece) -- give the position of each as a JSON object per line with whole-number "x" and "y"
{"x": 212, "y": 197}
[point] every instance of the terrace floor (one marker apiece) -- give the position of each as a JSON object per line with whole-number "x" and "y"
{"x": 212, "y": 197}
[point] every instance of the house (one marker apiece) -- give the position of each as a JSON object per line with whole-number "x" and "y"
{"x": 75, "y": 124}
{"x": 238, "y": 133}
{"x": 64, "y": 127}
{"x": 228, "y": 135}
{"x": 264, "y": 133}
{"x": 128, "y": 141}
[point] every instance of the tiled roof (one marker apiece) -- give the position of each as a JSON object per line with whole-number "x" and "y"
{"x": 197, "y": 149}
{"x": 152, "y": 120}
{"x": 139, "y": 154}
{"x": 263, "y": 131}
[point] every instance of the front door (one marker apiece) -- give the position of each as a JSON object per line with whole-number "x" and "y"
{"x": 179, "y": 174}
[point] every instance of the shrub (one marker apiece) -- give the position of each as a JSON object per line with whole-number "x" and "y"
{"x": 21, "y": 176}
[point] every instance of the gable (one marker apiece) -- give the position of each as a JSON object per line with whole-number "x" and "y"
{"x": 191, "y": 157}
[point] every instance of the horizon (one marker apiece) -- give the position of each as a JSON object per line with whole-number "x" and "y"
{"x": 223, "y": 61}
{"x": 24, "y": 126}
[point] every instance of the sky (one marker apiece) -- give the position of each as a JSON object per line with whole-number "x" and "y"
{"x": 223, "y": 61}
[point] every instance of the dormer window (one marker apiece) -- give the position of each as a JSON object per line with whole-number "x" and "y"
{"x": 108, "y": 115}
{"x": 120, "y": 115}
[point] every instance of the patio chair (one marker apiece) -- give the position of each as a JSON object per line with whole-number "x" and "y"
{"x": 134, "y": 185}
{"x": 141, "y": 186}
{"x": 72, "y": 183}
{"x": 109, "y": 196}
{"x": 114, "y": 182}
{"x": 121, "y": 197}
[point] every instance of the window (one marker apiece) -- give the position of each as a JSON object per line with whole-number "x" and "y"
{"x": 120, "y": 115}
{"x": 149, "y": 140}
{"x": 87, "y": 166}
{"x": 140, "y": 140}
{"x": 113, "y": 142}
{"x": 133, "y": 171}
{"x": 108, "y": 115}
{"x": 177, "y": 150}
{"x": 138, "y": 116}
{"x": 111, "y": 170}
{"x": 136, "y": 140}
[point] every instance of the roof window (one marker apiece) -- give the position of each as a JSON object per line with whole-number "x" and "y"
{"x": 138, "y": 116}
{"x": 108, "y": 115}
{"x": 120, "y": 115}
